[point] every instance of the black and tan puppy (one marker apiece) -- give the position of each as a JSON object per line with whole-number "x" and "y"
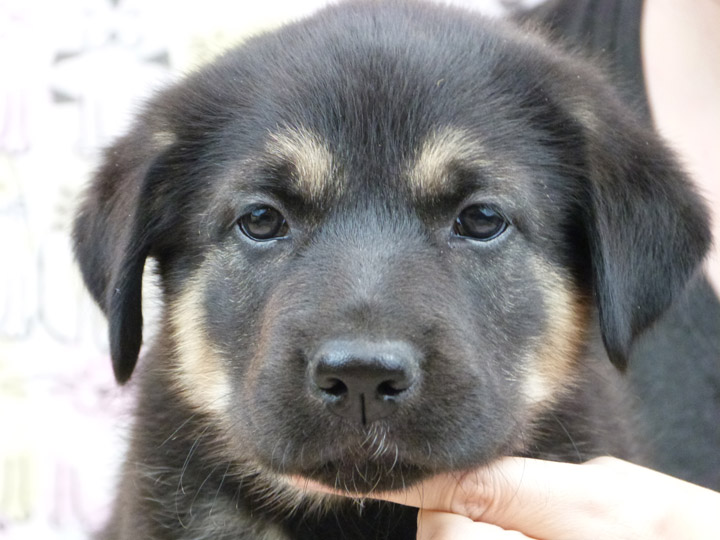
{"x": 393, "y": 239}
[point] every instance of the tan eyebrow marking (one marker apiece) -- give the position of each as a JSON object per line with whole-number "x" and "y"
{"x": 428, "y": 173}
{"x": 309, "y": 155}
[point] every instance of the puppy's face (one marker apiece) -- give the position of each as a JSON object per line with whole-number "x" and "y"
{"x": 381, "y": 249}
{"x": 362, "y": 310}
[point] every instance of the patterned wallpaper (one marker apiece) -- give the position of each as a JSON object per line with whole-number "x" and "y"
{"x": 71, "y": 74}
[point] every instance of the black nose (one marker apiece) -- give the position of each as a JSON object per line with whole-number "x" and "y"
{"x": 364, "y": 380}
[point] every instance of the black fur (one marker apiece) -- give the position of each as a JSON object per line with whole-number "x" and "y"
{"x": 588, "y": 192}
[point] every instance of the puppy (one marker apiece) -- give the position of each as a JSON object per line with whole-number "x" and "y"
{"x": 393, "y": 239}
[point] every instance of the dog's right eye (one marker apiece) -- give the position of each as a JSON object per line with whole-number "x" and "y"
{"x": 263, "y": 223}
{"x": 480, "y": 222}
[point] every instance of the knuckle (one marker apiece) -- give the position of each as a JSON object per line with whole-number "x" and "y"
{"x": 475, "y": 494}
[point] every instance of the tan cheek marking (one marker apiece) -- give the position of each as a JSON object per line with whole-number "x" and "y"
{"x": 310, "y": 156}
{"x": 551, "y": 370}
{"x": 198, "y": 370}
{"x": 428, "y": 173}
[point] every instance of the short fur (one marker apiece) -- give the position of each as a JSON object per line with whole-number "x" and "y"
{"x": 370, "y": 126}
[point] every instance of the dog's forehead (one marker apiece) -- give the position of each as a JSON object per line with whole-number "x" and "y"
{"x": 385, "y": 121}
{"x": 442, "y": 163}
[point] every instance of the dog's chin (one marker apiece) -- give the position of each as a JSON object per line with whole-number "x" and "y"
{"x": 360, "y": 478}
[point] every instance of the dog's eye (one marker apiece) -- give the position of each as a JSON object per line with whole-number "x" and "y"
{"x": 263, "y": 223}
{"x": 479, "y": 222}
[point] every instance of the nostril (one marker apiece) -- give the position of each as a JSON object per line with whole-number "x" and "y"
{"x": 392, "y": 388}
{"x": 334, "y": 387}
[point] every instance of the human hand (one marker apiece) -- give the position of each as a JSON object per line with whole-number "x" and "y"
{"x": 518, "y": 498}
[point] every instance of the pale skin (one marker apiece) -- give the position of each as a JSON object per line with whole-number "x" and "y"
{"x": 520, "y": 498}
{"x": 517, "y": 498}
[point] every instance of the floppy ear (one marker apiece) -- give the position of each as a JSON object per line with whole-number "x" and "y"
{"x": 113, "y": 234}
{"x": 140, "y": 193}
{"x": 646, "y": 226}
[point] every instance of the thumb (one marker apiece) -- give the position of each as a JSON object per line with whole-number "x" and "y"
{"x": 542, "y": 499}
{"x": 603, "y": 498}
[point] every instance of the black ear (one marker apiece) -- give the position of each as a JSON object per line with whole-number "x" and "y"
{"x": 647, "y": 228}
{"x": 113, "y": 234}
{"x": 139, "y": 195}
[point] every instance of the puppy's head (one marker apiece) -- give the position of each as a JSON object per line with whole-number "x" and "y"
{"x": 383, "y": 234}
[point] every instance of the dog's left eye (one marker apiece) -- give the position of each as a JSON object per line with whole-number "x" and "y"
{"x": 263, "y": 223}
{"x": 480, "y": 222}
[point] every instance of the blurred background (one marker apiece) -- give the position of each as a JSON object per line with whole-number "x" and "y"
{"x": 72, "y": 72}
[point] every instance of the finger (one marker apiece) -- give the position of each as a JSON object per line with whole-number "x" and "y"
{"x": 604, "y": 498}
{"x": 541, "y": 498}
{"x": 513, "y": 493}
{"x": 433, "y": 525}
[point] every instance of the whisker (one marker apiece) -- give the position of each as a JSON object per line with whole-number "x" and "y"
{"x": 199, "y": 489}
{"x": 174, "y": 433}
{"x": 217, "y": 492}
{"x": 567, "y": 433}
{"x": 180, "y": 487}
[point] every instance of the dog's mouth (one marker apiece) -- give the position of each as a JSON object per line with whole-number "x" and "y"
{"x": 360, "y": 461}
{"x": 363, "y": 462}
{"x": 377, "y": 460}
